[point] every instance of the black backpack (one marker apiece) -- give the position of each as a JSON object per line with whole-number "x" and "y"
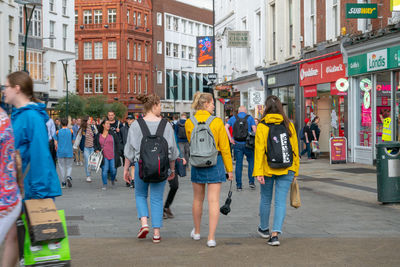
{"x": 279, "y": 149}
{"x": 153, "y": 160}
{"x": 240, "y": 129}
{"x": 181, "y": 130}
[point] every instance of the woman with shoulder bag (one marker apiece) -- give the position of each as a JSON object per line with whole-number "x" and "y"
{"x": 108, "y": 143}
{"x": 146, "y": 128}
{"x": 213, "y": 176}
{"x": 276, "y": 162}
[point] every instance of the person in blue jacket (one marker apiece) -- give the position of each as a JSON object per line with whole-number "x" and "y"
{"x": 31, "y": 139}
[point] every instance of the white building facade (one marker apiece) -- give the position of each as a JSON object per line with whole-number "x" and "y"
{"x": 181, "y": 71}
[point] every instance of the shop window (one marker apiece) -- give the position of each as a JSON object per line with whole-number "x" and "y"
{"x": 364, "y": 113}
{"x": 397, "y": 113}
{"x": 383, "y": 107}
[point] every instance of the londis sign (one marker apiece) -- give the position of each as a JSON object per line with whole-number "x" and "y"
{"x": 361, "y": 11}
{"x": 377, "y": 60}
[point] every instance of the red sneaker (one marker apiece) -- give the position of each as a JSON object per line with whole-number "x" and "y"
{"x": 143, "y": 232}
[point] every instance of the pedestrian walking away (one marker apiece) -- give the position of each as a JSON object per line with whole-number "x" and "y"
{"x": 124, "y": 133}
{"x": 306, "y": 136}
{"x": 210, "y": 158}
{"x": 108, "y": 143}
{"x": 152, "y": 175}
{"x": 242, "y": 125}
{"x": 64, "y": 139}
{"x": 315, "y": 132}
{"x": 276, "y": 164}
{"x": 51, "y": 130}
{"x": 78, "y": 153}
{"x": 10, "y": 198}
{"x": 31, "y": 138}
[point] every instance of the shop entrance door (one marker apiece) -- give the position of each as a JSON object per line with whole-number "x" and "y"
{"x": 324, "y": 113}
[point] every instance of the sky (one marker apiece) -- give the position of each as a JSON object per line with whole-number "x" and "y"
{"x": 199, "y": 3}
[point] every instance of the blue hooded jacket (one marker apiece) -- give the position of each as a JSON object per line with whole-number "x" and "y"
{"x": 31, "y": 139}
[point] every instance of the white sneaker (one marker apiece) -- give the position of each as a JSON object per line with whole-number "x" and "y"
{"x": 104, "y": 188}
{"x": 88, "y": 179}
{"x": 194, "y": 236}
{"x": 211, "y": 243}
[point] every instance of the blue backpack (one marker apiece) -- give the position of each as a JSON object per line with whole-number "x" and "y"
{"x": 302, "y": 136}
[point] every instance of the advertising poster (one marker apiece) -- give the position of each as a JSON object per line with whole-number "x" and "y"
{"x": 205, "y": 55}
{"x": 338, "y": 149}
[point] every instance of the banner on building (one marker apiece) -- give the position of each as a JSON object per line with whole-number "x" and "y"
{"x": 395, "y": 5}
{"x": 255, "y": 98}
{"x": 322, "y": 71}
{"x": 310, "y": 91}
{"x": 205, "y": 53}
{"x": 238, "y": 39}
{"x": 361, "y": 11}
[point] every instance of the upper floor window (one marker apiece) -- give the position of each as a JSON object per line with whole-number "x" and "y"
{"x": 64, "y": 7}
{"x": 112, "y": 15}
{"x": 139, "y": 19}
{"x": 51, "y": 5}
{"x": 98, "y": 16}
{"x": 98, "y": 50}
{"x": 169, "y": 22}
{"x": 36, "y": 24}
{"x": 112, "y": 50}
{"x": 87, "y": 16}
{"x": 159, "y": 19}
{"x": 127, "y": 16}
{"x": 87, "y": 53}
{"x": 76, "y": 17}
{"x": 176, "y": 24}
{"x": 145, "y": 20}
{"x": 134, "y": 18}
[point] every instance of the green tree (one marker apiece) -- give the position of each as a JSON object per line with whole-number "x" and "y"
{"x": 118, "y": 108}
{"x": 96, "y": 106}
{"x": 76, "y": 106}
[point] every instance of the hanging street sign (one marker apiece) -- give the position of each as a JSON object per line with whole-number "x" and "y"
{"x": 212, "y": 76}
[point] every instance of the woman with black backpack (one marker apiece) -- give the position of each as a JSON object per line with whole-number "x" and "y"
{"x": 151, "y": 146}
{"x": 276, "y": 161}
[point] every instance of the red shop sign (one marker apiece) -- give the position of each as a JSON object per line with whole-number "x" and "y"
{"x": 335, "y": 91}
{"x": 322, "y": 71}
{"x": 338, "y": 150}
{"x": 310, "y": 91}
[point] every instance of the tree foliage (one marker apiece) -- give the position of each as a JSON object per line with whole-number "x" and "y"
{"x": 96, "y": 106}
{"x": 118, "y": 108}
{"x": 76, "y": 106}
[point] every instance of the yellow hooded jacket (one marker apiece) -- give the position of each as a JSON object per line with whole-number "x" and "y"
{"x": 261, "y": 167}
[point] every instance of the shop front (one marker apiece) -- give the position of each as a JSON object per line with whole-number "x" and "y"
{"x": 375, "y": 98}
{"x": 325, "y": 88}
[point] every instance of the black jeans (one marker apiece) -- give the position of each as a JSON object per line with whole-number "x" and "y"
{"x": 173, "y": 187}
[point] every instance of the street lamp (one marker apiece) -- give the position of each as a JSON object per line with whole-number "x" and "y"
{"x": 174, "y": 93}
{"x": 34, "y": 3}
{"x": 65, "y": 66}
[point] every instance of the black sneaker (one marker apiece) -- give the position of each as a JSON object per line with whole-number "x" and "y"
{"x": 274, "y": 241}
{"x": 63, "y": 185}
{"x": 127, "y": 184}
{"x": 263, "y": 233}
{"x": 69, "y": 181}
{"x": 252, "y": 186}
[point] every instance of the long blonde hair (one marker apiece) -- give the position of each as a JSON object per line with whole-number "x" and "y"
{"x": 199, "y": 99}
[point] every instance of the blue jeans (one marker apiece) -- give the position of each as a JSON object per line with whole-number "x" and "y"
{"x": 108, "y": 166}
{"x": 156, "y": 199}
{"x": 282, "y": 185}
{"x": 86, "y": 153}
{"x": 240, "y": 150}
{"x": 307, "y": 149}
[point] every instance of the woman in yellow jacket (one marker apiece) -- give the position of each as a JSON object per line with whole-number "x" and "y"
{"x": 203, "y": 104}
{"x": 268, "y": 176}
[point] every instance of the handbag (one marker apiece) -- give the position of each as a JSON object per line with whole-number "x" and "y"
{"x": 95, "y": 160}
{"x": 295, "y": 201}
{"x": 251, "y": 140}
{"x": 315, "y": 146}
{"x": 180, "y": 168}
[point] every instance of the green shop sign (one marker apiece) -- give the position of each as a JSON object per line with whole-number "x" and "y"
{"x": 383, "y": 59}
{"x": 361, "y": 11}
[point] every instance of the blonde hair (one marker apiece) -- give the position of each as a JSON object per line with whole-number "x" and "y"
{"x": 199, "y": 99}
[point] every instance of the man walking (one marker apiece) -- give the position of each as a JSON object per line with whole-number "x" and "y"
{"x": 242, "y": 125}
{"x": 124, "y": 133}
{"x": 63, "y": 140}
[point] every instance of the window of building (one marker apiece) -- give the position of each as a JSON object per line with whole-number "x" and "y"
{"x": 273, "y": 26}
{"x": 21, "y": 20}
{"x": 159, "y": 77}
{"x": 128, "y": 46}
{"x": 176, "y": 50}
{"x": 159, "y": 47}
{"x": 65, "y": 29}
{"x": 290, "y": 3}
{"x": 145, "y": 21}
{"x": 87, "y": 53}
{"x": 36, "y": 24}
{"x": 168, "y": 49}
{"x": 76, "y": 51}
{"x": 34, "y": 63}
{"x": 139, "y": 19}
{"x": 145, "y": 53}
{"x": 210, "y": 30}
{"x": 140, "y": 84}
{"x": 98, "y": 50}
{"x": 335, "y": 19}
{"x": 10, "y": 28}
{"x": 258, "y": 33}
{"x": 64, "y": 7}
{"x": 169, "y": 22}
{"x": 112, "y": 50}
{"x": 313, "y": 22}
{"x": 87, "y": 17}
{"x": 176, "y": 24}
{"x": 145, "y": 84}
{"x": 112, "y": 15}
{"x": 98, "y": 83}
{"x": 364, "y": 112}
{"x": 159, "y": 19}
{"x": 98, "y": 16}
{"x": 134, "y": 84}
{"x": 191, "y": 53}
{"x": 197, "y": 29}
{"x": 53, "y": 75}
{"x": 88, "y": 83}
{"x": 134, "y": 51}
{"x": 139, "y": 54}
{"x": 184, "y": 51}
{"x": 51, "y": 5}
{"x": 191, "y": 27}
{"x": 112, "y": 82}
{"x": 128, "y": 81}
{"x": 184, "y": 24}
{"x": 76, "y": 17}
{"x": 127, "y": 16}
{"x": 204, "y": 29}
{"x": 134, "y": 18}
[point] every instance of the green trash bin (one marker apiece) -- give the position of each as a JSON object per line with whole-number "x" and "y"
{"x": 388, "y": 171}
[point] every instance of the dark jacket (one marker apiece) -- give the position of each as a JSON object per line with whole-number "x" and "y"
{"x": 124, "y": 133}
{"x": 176, "y": 129}
{"x": 117, "y": 148}
{"x": 314, "y": 127}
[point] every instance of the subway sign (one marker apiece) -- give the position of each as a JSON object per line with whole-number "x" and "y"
{"x": 361, "y": 11}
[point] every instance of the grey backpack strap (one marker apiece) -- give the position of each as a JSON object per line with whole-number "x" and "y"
{"x": 209, "y": 120}
{"x": 194, "y": 120}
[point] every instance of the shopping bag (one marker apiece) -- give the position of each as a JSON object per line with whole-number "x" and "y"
{"x": 95, "y": 160}
{"x": 295, "y": 201}
{"x": 315, "y": 146}
{"x": 50, "y": 254}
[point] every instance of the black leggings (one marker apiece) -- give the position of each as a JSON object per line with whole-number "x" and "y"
{"x": 173, "y": 187}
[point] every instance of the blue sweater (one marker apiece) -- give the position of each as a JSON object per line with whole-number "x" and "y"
{"x": 31, "y": 139}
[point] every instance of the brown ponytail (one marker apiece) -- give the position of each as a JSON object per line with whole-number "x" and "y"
{"x": 274, "y": 106}
{"x": 24, "y": 81}
{"x": 199, "y": 99}
{"x": 149, "y": 101}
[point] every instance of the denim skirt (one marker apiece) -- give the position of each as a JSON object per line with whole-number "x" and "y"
{"x": 209, "y": 175}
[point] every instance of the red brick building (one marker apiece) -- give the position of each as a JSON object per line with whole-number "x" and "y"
{"x": 113, "y": 44}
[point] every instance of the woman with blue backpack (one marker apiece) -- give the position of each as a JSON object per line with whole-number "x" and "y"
{"x": 210, "y": 158}
{"x": 276, "y": 162}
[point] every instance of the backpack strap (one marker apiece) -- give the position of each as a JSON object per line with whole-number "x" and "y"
{"x": 161, "y": 127}
{"x": 143, "y": 127}
{"x": 209, "y": 120}
{"x": 194, "y": 120}
{"x": 246, "y": 117}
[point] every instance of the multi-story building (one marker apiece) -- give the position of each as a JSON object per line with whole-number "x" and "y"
{"x": 113, "y": 44}
{"x": 58, "y": 43}
{"x": 175, "y": 73}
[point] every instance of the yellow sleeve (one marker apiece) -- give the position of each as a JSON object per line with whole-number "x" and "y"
{"x": 259, "y": 150}
{"x": 189, "y": 128}
{"x": 223, "y": 144}
{"x": 295, "y": 148}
